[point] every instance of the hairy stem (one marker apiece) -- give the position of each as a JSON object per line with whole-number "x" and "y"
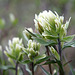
{"x": 47, "y": 50}
{"x": 16, "y": 68}
{"x": 61, "y": 70}
{"x": 32, "y": 68}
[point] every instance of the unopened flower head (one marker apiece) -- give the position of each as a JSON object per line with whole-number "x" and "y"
{"x": 50, "y": 24}
{"x": 26, "y": 33}
{"x": 33, "y": 49}
{"x": 14, "y": 48}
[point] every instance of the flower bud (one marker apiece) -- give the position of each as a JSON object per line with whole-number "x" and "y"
{"x": 38, "y": 26}
{"x": 27, "y": 34}
{"x": 38, "y": 46}
{"x": 29, "y": 44}
{"x": 61, "y": 19}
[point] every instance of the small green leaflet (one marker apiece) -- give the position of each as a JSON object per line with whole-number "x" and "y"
{"x": 40, "y": 56}
{"x": 42, "y": 60}
{"x": 69, "y": 44}
{"x": 25, "y": 62}
{"x": 68, "y": 38}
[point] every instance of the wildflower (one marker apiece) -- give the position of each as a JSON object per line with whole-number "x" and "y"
{"x": 50, "y": 25}
{"x": 14, "y": 48}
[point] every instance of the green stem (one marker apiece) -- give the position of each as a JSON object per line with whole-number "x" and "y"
{"x": 59, "y": 47}
{"x": 47, "y": 50}
{"x": 61, "y": 70}
{"x": 16, "y": 68}
{"x": 32, "y": 68}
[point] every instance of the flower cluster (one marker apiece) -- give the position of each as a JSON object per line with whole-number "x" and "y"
{"x": 51, "y": 25}
{"x": 14, "y": 49}
{"x": 32, "y": 50}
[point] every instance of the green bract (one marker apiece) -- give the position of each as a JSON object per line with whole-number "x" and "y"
{"x": 26, "y": 33}
{"x": 14, "y": 48}
{"x": 51, "y": 25}
{"x": 54, "y": 53}
{"x": 32, "y": 50}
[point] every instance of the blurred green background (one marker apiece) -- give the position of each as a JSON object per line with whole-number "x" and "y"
{"x": 24, "y": 12}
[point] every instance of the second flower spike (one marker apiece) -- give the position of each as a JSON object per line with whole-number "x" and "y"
{"x": 32, "y": 50}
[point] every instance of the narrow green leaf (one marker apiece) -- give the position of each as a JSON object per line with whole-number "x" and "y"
{"x": 50, "y": 36}
{"x": 67, "y": 63}
{"x": 42, "y": 60}
{"x": 69, "y": 44}
{"x": 46, "y": 73}
{"x": 11, "y": 56}
{"x": 31, "y": 33}
{"x": 38, "y": 35}
{"x": 68, "y": 38}
{"x": 52, "y": 32}
{"x": 25, "y": 62}
{"x": 43, "y": 42}
{"x": 50, "y": 62}
{"x": 40, "y": 56}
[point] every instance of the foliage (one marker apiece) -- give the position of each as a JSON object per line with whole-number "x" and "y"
{"x": 52, "y": 34}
